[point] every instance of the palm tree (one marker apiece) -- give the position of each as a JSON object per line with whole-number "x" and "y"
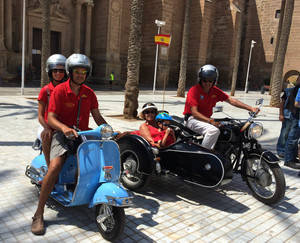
{"x": 134, "y": 57}
{"x": 277, "y": 42}
{"x": 282, "y": 46}
{"x": 184, "y": 51}
{"x": 45, "y": 6}
{"x": 240, "y": 24}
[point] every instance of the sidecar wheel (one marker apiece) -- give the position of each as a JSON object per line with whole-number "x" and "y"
{"x": 130, "y": 176}
{"x": 266, "y": 181}
{"x": 110, "y": 221}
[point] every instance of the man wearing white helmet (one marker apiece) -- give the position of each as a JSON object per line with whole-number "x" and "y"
{"x": 70, "y": 106}
{"x": 55, "y": 67}
{"x": 199, "y": 104}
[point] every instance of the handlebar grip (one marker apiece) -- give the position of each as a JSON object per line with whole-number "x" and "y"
{"x": 245, "y": 126}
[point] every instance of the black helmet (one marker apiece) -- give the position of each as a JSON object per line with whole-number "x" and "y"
{"x": 208, "y": 73}
{"x": 54, "y": 62}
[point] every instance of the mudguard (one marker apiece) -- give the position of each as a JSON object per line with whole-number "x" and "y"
{"x": 147, "y": 164}
{"x": 266, "y": 155}
{"x": 112, "y": 194}
{"x": 39, "y": 161}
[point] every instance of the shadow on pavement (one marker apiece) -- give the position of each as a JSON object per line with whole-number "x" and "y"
{"x": 15, "y": 143}
{"x": 171, "y": 189}
{"x": 30, "y": 109}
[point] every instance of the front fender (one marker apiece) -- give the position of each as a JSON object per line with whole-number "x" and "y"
{"x": 112, "y": 194}
{"x": 266, "y": 155}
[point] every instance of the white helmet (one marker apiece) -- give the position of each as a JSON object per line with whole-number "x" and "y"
{"x": 208, "y": 72}
{"x": 78, "y": 60}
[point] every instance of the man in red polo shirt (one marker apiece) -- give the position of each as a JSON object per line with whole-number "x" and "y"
{"x": 199, "y": 104}
{"x": 70, "y": 106}
{"x": 55, "y": 67}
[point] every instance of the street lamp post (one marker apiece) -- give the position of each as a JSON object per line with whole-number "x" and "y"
{"x": 247, "y": 77}
{"x": 23, "y": 49}
{"x": 159, "y": 24}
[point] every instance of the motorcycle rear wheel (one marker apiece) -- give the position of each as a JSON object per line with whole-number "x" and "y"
{"x": 110, "y": 221}
{"x": 266, "y": 181}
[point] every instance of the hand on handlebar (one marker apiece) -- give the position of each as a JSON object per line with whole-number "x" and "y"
{"x": 215, "y": 123}
{"x": 70, "y": 133}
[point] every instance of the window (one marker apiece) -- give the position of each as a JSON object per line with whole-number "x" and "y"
{"x": 272, "y": 40}
{"x": 277, "y": 14}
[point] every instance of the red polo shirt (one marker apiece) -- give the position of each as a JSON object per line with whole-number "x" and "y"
{"x": 64, "y": 103}
{"x": 204, "y": 101}
{"x": 44, "y": 96}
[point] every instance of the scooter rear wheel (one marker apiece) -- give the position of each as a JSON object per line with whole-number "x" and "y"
{"x": 110, "y": 221}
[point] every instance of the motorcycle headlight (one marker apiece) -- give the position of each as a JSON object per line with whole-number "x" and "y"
{"x": 106, "y": 132}
{"x": 255, "y": 130}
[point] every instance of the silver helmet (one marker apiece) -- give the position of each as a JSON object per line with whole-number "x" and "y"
{"x": 78, "y": 60}
{"x": 55, "y": 61}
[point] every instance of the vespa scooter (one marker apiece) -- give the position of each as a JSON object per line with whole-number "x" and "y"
{"x": 91, "y": 176}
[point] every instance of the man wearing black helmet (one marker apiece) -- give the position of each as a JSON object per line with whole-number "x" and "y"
{"x": 199, "y": 104}
{"x": 70, "y": 106}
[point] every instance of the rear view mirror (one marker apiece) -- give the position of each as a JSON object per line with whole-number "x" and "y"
{"x": 259, "y": 101}
{"x": 218, "y": 109}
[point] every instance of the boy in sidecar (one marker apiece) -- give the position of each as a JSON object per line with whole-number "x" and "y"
{"x": 70, "y": 106}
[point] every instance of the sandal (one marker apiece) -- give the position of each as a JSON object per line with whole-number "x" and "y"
{"x": 37, "y": 226}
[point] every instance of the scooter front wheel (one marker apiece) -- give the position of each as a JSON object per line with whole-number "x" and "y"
{"x": 110, "y": 221}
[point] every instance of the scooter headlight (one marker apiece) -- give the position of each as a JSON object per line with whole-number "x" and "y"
{"x": 255, "y": 130}
{"x": 106, "y": 131}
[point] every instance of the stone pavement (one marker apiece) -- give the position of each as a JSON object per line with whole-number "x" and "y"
{"x": 166, "y": 211}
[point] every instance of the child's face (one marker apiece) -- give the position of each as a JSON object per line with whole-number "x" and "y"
{"x": 164, "y": 124}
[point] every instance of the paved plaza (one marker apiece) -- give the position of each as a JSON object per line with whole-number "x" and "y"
{"x": 166, "y": 211}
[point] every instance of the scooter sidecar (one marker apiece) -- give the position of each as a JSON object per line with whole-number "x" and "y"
{"x": 185, "y": 159}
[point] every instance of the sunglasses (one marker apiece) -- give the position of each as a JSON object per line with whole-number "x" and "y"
{"x": 205, "y": 81}
{"x": 58, "y": 70}
{"x": 149, "y": 111}
{"x": 80, "y": 72}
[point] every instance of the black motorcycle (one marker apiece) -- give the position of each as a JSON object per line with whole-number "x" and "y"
{"x": 237, "y": 150}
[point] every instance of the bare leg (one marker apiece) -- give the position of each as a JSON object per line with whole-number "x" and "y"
{"x": 46, "y": 145}
{"x": 49, "y": 182}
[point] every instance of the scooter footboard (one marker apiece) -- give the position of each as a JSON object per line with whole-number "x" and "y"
{"x": 112, "y": 194}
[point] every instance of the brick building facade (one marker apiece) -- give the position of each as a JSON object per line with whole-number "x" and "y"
{"x": 100, "y": 29}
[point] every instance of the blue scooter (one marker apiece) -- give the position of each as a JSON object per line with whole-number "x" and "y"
{"x": 91, "y": 176}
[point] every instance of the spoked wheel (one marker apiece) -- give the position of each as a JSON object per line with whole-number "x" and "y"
{"x": 110, "y": 221}
{"x": 265, "y": 180}
{"x": 131, "y": 177}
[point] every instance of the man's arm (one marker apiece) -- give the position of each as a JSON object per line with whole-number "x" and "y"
{"x": 199, "y": 116}
{"x": 57, "y": 125}
{"x": 281, "y": 107}
{"x": 97, "y": 117}
{"x": 240, "y": 104}
{"x": 41, "y": 114}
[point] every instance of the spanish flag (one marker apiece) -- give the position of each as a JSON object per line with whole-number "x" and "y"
{"x": 162, "y": 40}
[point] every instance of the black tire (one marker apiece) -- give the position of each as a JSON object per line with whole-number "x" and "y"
{"x": 271, "y": 172}
{"x": 131, "y": 177}
{"x": 114, "y": 224}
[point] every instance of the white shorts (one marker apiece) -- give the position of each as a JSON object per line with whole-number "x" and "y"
{"x": 39, "y": 132}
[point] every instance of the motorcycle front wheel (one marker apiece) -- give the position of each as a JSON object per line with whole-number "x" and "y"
{"x": 266, "y": 181}
{"x": 110, "y": 221}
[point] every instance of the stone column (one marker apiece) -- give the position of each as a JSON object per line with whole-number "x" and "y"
{"x": 77, "y": 27}
{"x": 8, "y": 24}
{"x": 2, "y": 46}
{"x": 89, "y": 7}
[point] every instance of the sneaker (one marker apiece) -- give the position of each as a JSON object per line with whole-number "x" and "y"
{"x": 37, "y": 226}
{"x": 293, "y": 164}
